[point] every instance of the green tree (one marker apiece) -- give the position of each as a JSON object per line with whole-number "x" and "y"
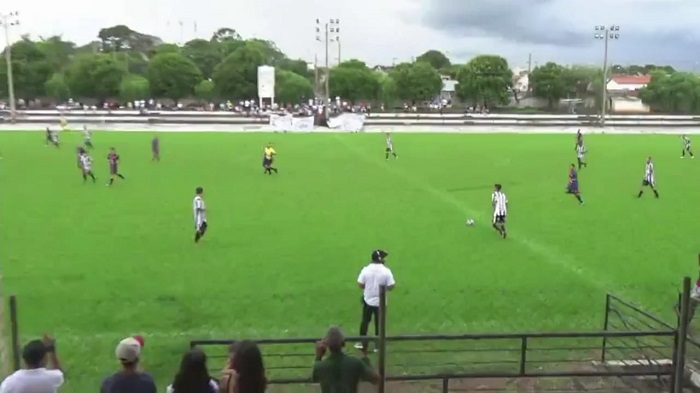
{"x": 436, "y": 59}
{"x": 579, "y": 79}
{"x": 95, "y": 76}
{"x": 387, "y": 89}
{"x": 355, "y": 63}
{"x": 452, "y": 71}
{"x": 173, "y": 76}
{"x": 353, "y": 81}
{"x": 677, "y": 92}
{"x": 58, "y": 52}
{"x": 204, "y": 54}
{"x": 30, "y": 70}
{"x": 237, "y": 75}
{"x": 225, "y": 34}
{"x": 272, "y": 55}
{"x": 636, "y": 69}
{"x": 57, "y": 87}
{"x": 549, "y": 82}
{"x": 121, "y": 38}
{"x": 291, "y": 87}
{"x": 164, "y": 48}
{"x": 485, "y": 80}
{"x": 417, "y": 82}
{"x": 299, "y": 67}
{"x": 205, "y": 90}
{"x": 134, "y": 87}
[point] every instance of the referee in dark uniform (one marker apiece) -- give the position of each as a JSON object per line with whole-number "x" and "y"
{"x": 371, "y": 278}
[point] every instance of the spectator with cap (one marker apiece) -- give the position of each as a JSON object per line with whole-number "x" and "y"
{"x": 193, "y": 376}
{"x": 339, "y": 372}
{"x": 36, "y": 377}
{"x": 371, "y": 278}
{"x": 130, "y": 379}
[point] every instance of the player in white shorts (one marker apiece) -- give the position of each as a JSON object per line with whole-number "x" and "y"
{"x": 649, "y": 179}
{"x": 389, "y": 147}
{"x": 86, "y": 163}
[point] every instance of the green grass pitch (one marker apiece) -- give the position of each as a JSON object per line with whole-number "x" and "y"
{"x": 93, "y": 264}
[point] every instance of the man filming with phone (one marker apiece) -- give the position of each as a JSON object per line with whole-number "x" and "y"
{"x": 339, "y": 372}
{"x": 36, "y": 376}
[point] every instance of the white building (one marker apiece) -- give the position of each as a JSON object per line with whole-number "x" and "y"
{"x": 623, "y": 91}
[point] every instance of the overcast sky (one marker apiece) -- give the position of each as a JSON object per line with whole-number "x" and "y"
{"x": 386, "y": 31}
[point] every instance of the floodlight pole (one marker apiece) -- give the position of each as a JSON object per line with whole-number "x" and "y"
{"x": 330, "y": 32}
{"x": 606, "y": 34}
{"x": 7, "y": 21}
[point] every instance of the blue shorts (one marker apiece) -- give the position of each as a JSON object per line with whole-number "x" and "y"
{"x": 267, "y": 162}
{"x": 572, "y": 188}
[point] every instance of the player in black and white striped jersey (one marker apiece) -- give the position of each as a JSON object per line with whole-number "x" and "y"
{"x": 649, "y": 178}
{"x": 389, "y": 147}
{"x": 686, "y": 147}
{"x": 581, "y": 154}
{"x": 87, "y": 137}
{"x": 199, "y": 209}
{"x": 499, "y": 201}
{"x": 86, "y": 166}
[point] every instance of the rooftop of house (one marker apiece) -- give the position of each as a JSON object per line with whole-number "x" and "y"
{"x": 631, "y": 79}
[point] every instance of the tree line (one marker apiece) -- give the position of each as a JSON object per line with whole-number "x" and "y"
{"x": 127, "y": 65}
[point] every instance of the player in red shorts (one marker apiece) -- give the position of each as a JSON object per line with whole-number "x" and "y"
{"x": 113, "y": 159}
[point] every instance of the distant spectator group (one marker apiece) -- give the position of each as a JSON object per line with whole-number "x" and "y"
{"x": 333, "y": 370}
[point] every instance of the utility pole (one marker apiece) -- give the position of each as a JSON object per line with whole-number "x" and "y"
{"x": 606, "y": 34}
{"x": 529, "y": 63}
{"x": 8, "y": 21}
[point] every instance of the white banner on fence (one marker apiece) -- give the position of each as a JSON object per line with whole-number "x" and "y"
{"x": 291, "y": 123}
{"x": 347, "y": 122}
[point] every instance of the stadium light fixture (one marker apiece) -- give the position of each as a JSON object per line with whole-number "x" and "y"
{"x": 606, "y": 34}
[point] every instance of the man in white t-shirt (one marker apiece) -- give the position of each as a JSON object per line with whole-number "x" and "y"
{"x": 36, "y": 378}
{"x": 371, "y": 278}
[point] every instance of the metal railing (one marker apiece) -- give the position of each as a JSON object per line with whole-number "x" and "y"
{"x": 631, "y": 344}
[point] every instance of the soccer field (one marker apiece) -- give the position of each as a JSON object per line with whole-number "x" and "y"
{"x": 93, "y": 264}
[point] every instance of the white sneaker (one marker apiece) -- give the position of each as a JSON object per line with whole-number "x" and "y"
{"x": 358, "y": 346}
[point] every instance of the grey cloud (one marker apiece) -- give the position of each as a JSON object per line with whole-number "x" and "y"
{"x": 565, "y": 33}
{"x": 510, "y": 20}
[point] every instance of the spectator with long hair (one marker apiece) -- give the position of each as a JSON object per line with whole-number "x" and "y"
{"x": 245, "y": 371}
{"x": 193, "y": 376}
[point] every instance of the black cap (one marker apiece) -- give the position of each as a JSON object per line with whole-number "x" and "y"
{"x": 379, "y": 255}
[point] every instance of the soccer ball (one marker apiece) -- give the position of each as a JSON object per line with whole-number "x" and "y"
{"x": 470, "y": 222}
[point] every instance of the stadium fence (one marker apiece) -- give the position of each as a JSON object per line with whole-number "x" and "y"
{"x": 633, "y": 343}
